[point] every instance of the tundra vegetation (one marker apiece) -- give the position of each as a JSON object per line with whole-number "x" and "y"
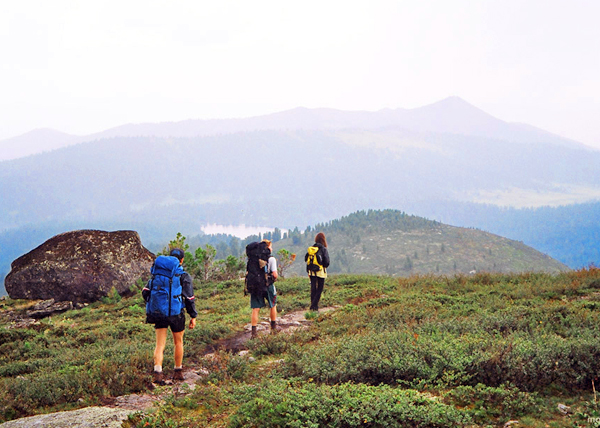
{"x": 418, "y": 351}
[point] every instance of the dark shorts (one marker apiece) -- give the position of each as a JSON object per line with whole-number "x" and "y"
{"x": 176, "y": 322}
{"x": 268, "y": 298}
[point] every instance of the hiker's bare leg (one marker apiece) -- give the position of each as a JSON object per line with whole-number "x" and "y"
{"x": 254, "y": 318}
{"x": 161, "y": 340}
{"x": 273, "y": 313}
{"x": 178, "y": 341}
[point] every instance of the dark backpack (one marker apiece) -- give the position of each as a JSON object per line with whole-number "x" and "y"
{"x": 256, "y": 269}
{"x": 314, "y": 259}
{"x": 165, "y": 288}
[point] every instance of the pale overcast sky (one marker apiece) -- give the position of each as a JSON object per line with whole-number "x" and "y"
{"x": 85, "y": 66}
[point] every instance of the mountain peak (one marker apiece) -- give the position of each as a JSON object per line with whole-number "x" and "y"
{"x": 454, "y": 100}
{"x": 457, "y": 108}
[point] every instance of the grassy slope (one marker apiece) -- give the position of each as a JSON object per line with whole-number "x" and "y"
{"x": 424, "y": 351}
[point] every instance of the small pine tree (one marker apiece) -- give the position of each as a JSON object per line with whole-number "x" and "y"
{"x": 178, "y": 242}
{"x": 286, "y": 259}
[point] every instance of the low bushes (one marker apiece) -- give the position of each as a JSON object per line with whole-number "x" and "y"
{"x": 424, "y": 351}
{"x": 486, "y": 403}
{"x": 431, "y": 353}
{"x": 102, "y": 376}
{"x": 305, "y": 404}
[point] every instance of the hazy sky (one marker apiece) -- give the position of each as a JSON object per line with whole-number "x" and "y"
{"x": 85, "y": 66}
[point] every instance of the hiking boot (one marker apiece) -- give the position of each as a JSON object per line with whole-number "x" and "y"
{"x": 178, "y": 374}
{"x": 158, "y": 378}
{"x": 254, "y": 333}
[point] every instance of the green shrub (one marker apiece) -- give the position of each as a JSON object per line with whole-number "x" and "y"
{"x": 485, "y": 403}
{"x": 199, "y": 408}
{"x": 113, "y": 296}
{"x": 224, "y": 366}
{"x": 534, "y": 363}
{"x": 163, "y": 418}
{"x": 294, "y": 404}
{"x": 387, "y": 357}
{"x": 589, "y": 413}
{"x": 311, "y": 315}
{"x": 269, "y": 344}
{"x": 19, "y": 368}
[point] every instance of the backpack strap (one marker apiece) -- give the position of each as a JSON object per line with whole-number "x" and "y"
{"x": 178, "y": 275}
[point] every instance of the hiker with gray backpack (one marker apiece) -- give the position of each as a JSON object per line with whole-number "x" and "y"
{"x": 317, "y": 262}
{"x": 167, "y": 294}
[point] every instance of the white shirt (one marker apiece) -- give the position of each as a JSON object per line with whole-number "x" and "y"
{"x": 272, "y": 264}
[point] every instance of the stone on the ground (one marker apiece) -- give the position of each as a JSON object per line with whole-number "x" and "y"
{"x": 88, "y": 417}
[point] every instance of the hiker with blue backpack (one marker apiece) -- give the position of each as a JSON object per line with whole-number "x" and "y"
{"x": 167, "y": 294}
{"x": 317, "y": 262}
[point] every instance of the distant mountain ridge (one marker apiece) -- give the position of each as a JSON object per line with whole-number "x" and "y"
{"x": 34, "y": 142}
{"x": 122, "y": 177}
{"x": 452, "y": 115}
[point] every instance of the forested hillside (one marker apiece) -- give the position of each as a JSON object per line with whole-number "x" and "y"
{"x": 395, "y": 243}
{"x": 570, "y": 234}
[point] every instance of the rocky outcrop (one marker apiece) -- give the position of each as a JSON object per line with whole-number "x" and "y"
{"x": 80, "y": 266}
{"x": 89, "y": 417}
{"x": 49, "y": 307}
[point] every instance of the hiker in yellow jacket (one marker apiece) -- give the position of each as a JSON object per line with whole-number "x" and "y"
{"x": 317, "y": 262}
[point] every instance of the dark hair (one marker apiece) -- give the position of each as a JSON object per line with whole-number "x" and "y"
{"x": 320, "y": 239}
{"x": 177, "y": 252}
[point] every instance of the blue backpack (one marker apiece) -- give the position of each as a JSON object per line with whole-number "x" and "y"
{"x": 165, "y": 288}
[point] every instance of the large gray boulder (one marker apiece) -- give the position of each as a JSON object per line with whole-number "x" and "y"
{"x": 88, "y": 417}
{"x": 80, "y": 266}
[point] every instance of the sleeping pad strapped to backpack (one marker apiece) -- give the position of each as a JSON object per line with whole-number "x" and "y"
{"x": 165, "y": 288}
{"x": 256, "y": 269}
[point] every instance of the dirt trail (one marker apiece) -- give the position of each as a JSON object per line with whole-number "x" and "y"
{"x": 287, "y": 323}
